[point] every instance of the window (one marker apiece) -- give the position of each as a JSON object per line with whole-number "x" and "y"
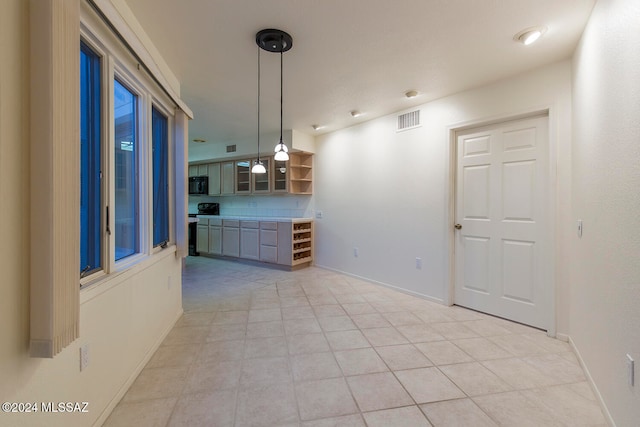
{"x": 160, "y": 148}
{"x": 126, "y": 123}
{"x": 126, "y": 208}
{"x": 90, "y": 162}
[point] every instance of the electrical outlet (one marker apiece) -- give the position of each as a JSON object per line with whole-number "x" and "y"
{"x": 355, "y": 252}
{"x": 84, "y": 357}
{"x": 630, "y": 370}
{"x": 419, "y": 263}
{"x": 319, "y": 214}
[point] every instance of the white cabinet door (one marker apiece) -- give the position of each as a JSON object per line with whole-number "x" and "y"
{"x": 227, "y": 178}
{"x": 502, "y": 264}
{"x": 215, "y": 240}
{"x": 203, "y": 170}
{"x": 214, "y": 179}
{"x": 202, "y": 243}
{"x": 249, "y": 243}
{"x": 231, "y": 241}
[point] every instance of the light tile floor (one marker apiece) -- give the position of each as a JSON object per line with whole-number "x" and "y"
{"x": 263, "y": 347}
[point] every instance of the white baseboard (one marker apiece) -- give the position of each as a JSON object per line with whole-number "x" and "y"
{"x": 592, "y": 384}
{"x": 125, "y": 387}
{"x": 386, "y": 285}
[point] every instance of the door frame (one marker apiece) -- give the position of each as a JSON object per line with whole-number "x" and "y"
{"x": 452, "y": 131}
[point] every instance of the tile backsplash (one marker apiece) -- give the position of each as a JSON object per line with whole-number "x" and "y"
{"x": 281, "y": 206}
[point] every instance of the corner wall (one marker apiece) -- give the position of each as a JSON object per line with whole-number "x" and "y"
{"x": 387, "y": 193}
{"x": 605, "y": 287}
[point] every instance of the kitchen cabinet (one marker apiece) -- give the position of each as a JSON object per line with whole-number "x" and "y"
{"x": 215, "y": 236}
{"x": 243, "y": 176}
{"x": 294, "y": 176}
{"x": 280, "y": 177}
{"x": 202, "y": 238}
{"x": 300, "y": 173}
{"x": 269, "y": 241}
{"x": 295, "y": 243}
{"x": 249, "y": 240}
{"x": 227, "y": 185}
{"x": 231, "y": 238}
{"x": 214, "y": 179}
{"x": 261, "y": 182}
{"x": 288, "y": 243}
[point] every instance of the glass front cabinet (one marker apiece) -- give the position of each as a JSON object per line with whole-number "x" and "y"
{"x": 280, "y": 174}
{"x": 243, "y": 176}
{"x": 261, "y": 181}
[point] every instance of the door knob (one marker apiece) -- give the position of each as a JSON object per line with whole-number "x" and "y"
{"x": 457, "y": 226}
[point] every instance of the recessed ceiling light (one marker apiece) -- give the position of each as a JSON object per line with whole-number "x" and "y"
{"x": 199, "y": 140}
{"x": 411, "y": 93}
{"x": 530, "y": 35}
{"x": 355, "y": 113}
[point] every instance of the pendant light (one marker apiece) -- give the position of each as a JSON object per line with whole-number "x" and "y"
{"x": 281, "y": 149}
{"x": 273, "y": 40}
{"x": 258, "y": 166}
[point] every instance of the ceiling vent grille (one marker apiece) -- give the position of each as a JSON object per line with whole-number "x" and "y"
{"x": 231, "y": 148}
{"x": 408, "y": 121}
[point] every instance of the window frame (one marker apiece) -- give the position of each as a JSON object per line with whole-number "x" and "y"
{"x": 116, "y": 62}
{"x": 155, "y": 103}
{"x": 100, "y": 57}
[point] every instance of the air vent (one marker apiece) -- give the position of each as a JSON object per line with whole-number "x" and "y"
{"x": 408, "y": 120}
{"x": 231, "y": 148}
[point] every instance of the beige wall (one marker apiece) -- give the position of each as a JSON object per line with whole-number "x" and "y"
{"x": 605, "y": 262}
{"x": 387, "y": 193}
{"x": 122, "y": 320}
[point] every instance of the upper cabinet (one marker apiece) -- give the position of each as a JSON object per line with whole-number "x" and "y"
{"x": 261, "y": 182}
{"x": 234, "y": 177}
{"x": 243, "y": 176}
{"x": 301, "y": 173}
{"x": 227, "y": 172}
{"x": 280, "y": 177}
{"x": 214, "y": 179}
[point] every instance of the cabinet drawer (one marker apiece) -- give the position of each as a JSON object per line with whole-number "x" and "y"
{"x": 249, "y": 224}
{"x": 269, "y": 237}
{"x": 203, "y": 221}
{"x": 231, "y": 223}
{"x": 268, "y": 225}
{"x": 215, "y": 221}
{"x": 268, "y": 253}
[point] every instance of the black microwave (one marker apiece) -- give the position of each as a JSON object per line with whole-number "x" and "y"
{"x": 198, "y": 185}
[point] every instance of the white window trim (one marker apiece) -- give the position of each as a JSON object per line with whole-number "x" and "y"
{"x": 117, "y": 62}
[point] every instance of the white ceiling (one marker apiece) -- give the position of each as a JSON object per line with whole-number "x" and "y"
{"x": 347, "y": 55}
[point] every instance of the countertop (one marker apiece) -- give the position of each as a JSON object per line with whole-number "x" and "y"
{"x": 257, "y": 218}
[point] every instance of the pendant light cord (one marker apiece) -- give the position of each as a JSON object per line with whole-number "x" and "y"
{"x": 281, "y": 49}
{"x": 258, "y": 104}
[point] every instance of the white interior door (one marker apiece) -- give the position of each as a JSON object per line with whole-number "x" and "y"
{"x": 502, "y": 263}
